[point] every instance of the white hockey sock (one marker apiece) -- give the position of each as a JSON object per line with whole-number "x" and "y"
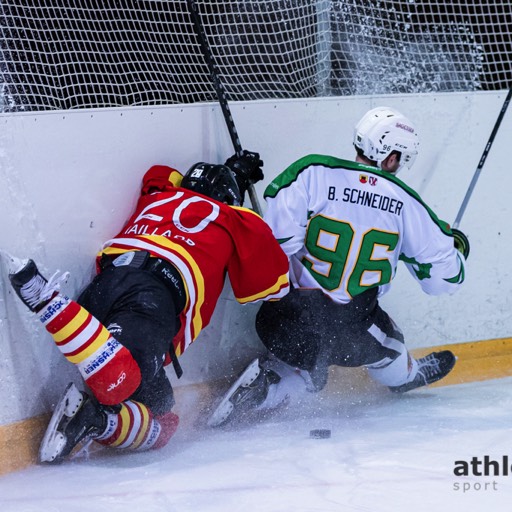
{"x": 394, "y": 372}
{"x": 293, "y": 384}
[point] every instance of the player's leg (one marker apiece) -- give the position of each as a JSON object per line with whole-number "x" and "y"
{"x": 360, "y": 333}
{"x": 282, "y": 375}
{"x": 139, "y": 311}
{"x": 142, "y": 422}
{"x": 87, "y": 343}
{"x": 265, "y": 384}
{"x": 393, "y": 365}
{"x": 78, "y": 418}
{"x": 312, "y": 332}
{"x": 105, "y": 364}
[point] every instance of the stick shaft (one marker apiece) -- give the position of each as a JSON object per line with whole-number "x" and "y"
{"x": 487, "y": 148}
{"x": 220, "y": 92}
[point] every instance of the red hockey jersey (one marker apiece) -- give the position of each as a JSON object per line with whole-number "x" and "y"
{"x": 204, "y": 240}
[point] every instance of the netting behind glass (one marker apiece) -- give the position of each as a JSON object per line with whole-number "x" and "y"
{"x": 60, "y": 54}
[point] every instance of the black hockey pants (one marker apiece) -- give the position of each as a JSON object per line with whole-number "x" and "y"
{"x": 140, "y": 311}
{"x": 306, "y": 329}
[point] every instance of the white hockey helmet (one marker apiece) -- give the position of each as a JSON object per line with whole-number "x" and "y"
{"x": 383, "y": 130}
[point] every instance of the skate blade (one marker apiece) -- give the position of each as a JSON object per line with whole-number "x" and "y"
{"x": 54, "y": 441}
{"x": 225, "y": 407}
{"x": 82, "y": 450}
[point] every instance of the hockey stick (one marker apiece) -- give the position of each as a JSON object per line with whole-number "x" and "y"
{"x": 221, "y": 93}
{"x": 482, "y": 159}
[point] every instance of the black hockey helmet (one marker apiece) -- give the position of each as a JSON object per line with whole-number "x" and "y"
{"x": 215, "y": 181}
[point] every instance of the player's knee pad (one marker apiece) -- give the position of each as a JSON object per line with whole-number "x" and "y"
{"x": 135, "y": 428}
{"x": 393, "y": 372}
{"x": 107, "y": 367}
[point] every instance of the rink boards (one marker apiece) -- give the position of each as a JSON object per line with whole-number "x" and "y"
{"x": 476, "y": 361}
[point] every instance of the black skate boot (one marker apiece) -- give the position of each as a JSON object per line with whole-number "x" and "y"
{"x": 32, "y": 288}
{"x": 431, "y": 368}
{"x": 75, "y": 421}
{"x": 248, "y": 392}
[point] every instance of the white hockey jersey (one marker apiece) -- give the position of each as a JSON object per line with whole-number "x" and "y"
{"x": 344, "y": 226}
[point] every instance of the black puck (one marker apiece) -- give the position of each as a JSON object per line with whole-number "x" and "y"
{"x": 320, "y": 433}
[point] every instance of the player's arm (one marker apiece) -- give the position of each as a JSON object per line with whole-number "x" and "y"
{"x": 160, "y": 178}
{"x": 433, "y": 254}
{"x": 258, "y": 268}
{"x": 287, "y": 216}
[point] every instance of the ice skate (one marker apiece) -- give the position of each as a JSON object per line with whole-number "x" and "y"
{"x": 75, "y": 421}
{"x": 431, "y": 368}
{"x": 31, "y": 286}
{"x": 247, "y": 393}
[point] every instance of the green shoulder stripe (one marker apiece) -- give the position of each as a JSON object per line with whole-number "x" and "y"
{"x": 291, "y": 173}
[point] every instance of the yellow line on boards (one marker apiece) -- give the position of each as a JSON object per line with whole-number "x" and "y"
{"x": 19, "y": 443}
{"x": 476, "y": 361}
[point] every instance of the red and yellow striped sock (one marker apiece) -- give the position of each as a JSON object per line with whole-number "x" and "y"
{"x": 135, "y": 428}
{"x": 107, "y": 367}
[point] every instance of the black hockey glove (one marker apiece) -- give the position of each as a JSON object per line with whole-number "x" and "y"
{"x": 461, "y": 242}
{"x": 247, "y": 169}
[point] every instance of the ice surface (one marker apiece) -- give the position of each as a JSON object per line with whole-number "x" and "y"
{"x": 386, "y": 453}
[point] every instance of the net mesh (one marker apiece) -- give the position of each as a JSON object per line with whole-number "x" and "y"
{"x": 65, "y": 54}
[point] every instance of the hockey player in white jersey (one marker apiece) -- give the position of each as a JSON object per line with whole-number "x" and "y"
{"x": 344, "y": 226}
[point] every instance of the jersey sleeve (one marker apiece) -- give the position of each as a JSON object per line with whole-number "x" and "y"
{"x": 429, "y": 253}
{"x": 287, "y": 215}
{"x": 258, "y": 267}
{"x": 160, "y": 178}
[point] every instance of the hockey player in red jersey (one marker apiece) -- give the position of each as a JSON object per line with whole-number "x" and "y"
{"x": 157, "y": 285}
{"x": 344, "y": 226}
